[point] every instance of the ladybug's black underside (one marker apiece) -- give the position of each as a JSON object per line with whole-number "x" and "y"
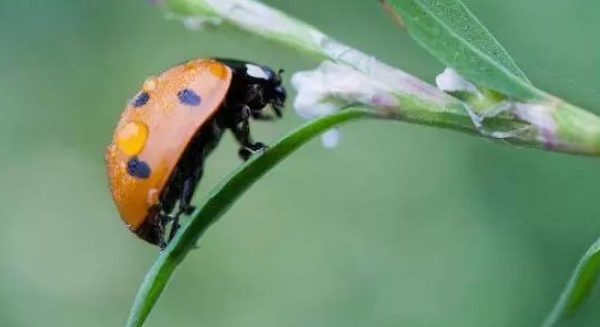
{"x": 245, "y": 99}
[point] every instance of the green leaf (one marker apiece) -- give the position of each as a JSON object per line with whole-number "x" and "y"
{"x": 219, "y": 200}
{"x": 579, "y": 286}
{"x": 450, "y": 32}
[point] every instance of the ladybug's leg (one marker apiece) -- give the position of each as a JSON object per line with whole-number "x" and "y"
{"x": 164, "y": 220}
{"x": 175, "y": 226}
{"x": 192, "y": 165}
{"x": 240, "y": 126}
{"x": 159, "y": 221}
{"x": 187, "y": 192}
{"x": 189, "y": 185}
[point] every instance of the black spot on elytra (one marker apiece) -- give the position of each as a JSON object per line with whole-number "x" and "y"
{"x": 189, "y": 97}
{"x": 141, "y": 99}
{"x": 137, "y": 168}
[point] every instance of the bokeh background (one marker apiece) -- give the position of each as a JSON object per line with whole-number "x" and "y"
{"x": 400, "y": 225}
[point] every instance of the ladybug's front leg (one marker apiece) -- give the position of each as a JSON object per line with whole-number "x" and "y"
{"x": 241, "y": 130}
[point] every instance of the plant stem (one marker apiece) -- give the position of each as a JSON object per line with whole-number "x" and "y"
{"x": 220, "y": 199}
{"x": 578, "y": 288}
{"x": 555, "y": 124}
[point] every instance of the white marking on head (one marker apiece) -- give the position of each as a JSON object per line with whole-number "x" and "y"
{"x": 256, "y": 71}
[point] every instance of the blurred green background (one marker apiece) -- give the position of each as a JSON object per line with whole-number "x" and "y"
{"x": 400, "y": 225}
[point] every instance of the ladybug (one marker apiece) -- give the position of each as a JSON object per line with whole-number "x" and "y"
{"x": 156, "y": 157}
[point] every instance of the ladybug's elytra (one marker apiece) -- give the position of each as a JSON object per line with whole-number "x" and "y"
{"x": 156, "y": 158}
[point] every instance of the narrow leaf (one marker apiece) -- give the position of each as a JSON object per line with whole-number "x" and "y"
{"x": 579, "y": 286}
{"x": 449, "y": 31}
{"x": 219, "y": 200}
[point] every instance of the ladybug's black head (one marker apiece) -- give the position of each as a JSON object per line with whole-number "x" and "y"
{"x": 278, "y": 93}
{"x": 271, "y": 86}
{"x": 256, "y": 86}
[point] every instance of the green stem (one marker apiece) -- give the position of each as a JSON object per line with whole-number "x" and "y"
{"x": 578, "y": 288}
{"x": 220, "y": 199}
{"x": 555, "y": 124}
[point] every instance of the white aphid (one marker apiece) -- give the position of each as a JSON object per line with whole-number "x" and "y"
{"x": 331, "y": 138}
{"x": 450, "y": 81}
{"x": 333, "y": 86}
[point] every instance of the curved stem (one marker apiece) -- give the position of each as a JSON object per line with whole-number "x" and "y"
{"x": 555, "y": 124}
{"x": 578, "y": 288}
{"x": 220, "y": 199}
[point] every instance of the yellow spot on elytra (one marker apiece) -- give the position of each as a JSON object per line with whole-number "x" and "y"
{"x": 217, "y": 69}
{"x": 150, "y": 84}
{"x": 132, "y": 137}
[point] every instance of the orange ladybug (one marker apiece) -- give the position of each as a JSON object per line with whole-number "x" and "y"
{"x": 165, "y": 133}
